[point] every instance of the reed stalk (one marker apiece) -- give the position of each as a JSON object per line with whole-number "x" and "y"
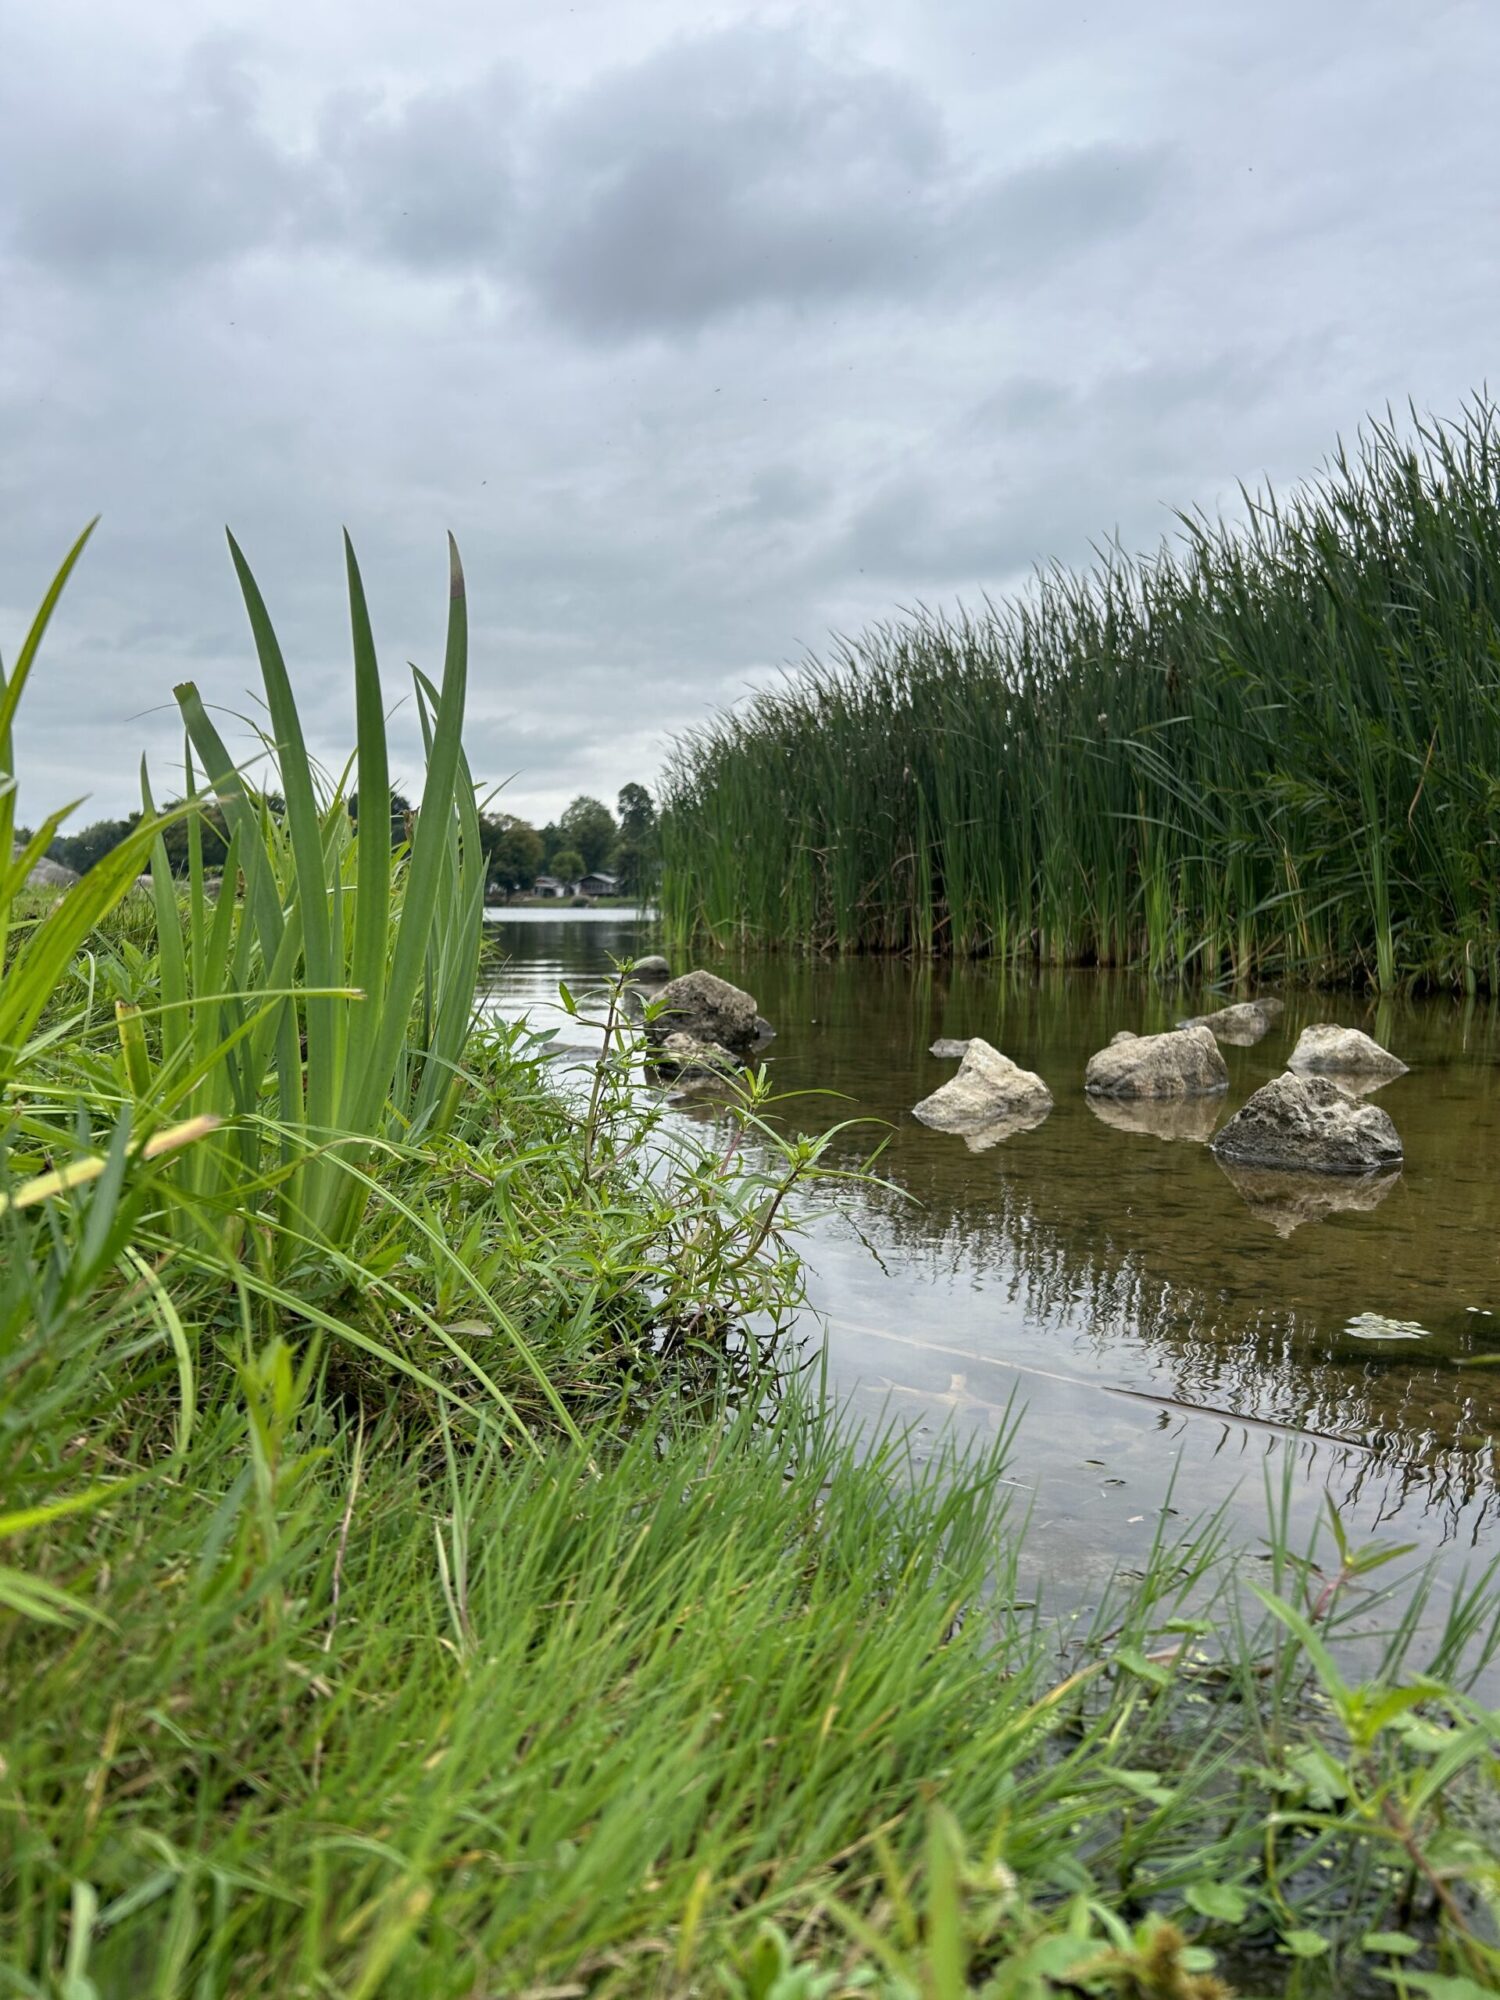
{"x": 1272, "y": 747}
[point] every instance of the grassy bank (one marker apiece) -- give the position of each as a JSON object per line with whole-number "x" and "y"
{"x": 415, "y": 1581}
{"x": 1271, "y": 748}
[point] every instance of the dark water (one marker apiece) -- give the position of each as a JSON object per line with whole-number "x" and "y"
{"x": 1172, "y": 1342}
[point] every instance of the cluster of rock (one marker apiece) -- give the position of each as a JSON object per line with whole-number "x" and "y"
{"x": 1310, "y": 1120}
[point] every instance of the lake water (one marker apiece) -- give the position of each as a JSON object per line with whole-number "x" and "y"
{"x": 1171, "y": 1342}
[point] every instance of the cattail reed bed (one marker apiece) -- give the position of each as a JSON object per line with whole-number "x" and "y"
{"x": 1271, "y": 746}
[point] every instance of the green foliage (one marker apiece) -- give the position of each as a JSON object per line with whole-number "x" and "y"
{"x": 638, "y": 855}
{"x": 567, "y": 864}
{"x": 327, "y": 1008}
{"x": 1270, "y": 747}
{"x": 400, "y": 815}
{"x": 588, "y": 826}
{"x": 373, "y": 1709}
{"x": 513, "y": 851}
{"x": 419, "y": 1575}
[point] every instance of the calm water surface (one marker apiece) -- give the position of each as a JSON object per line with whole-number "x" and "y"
{"x": 1171, "y": 1341}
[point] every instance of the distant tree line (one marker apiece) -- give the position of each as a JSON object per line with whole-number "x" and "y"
{"x": 586, "y": 839}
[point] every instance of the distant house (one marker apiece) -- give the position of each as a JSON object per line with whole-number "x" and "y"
{"x": 548, "y": 885}
{"x": 597, "y": 883}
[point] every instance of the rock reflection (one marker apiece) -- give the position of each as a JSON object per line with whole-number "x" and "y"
{"x": 1190, "y": 1118}
{"x": 1352, "y": 1085}
{"x": 1286, "y": 1200}
{"x": 1008, "y": 1127}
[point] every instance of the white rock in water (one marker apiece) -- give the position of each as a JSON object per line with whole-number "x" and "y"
{"x": 949, "y": 1048}
{"x": 1327, "y": 1050}
{"x": 1184, "y": 1063}
{"x": 1306, "y": 1124}
{"x": 988, "y": 1089}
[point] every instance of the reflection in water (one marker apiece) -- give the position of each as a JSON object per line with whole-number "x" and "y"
{"x": 1010, "y": 1126}
{"x": 1286, "y": 1200}
{"x": 1353, "y": 1083}
{"x": 1132, "y": 1296}
{"x": 1191, "y": 1118}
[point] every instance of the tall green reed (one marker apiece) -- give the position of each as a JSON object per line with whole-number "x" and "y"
{"x": 36, "y": 952}
{"x": 1273, "y": 746}
{"x": 321, "y": 1002}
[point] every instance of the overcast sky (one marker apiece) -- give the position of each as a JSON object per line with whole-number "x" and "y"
{"x": 706, "y": 328}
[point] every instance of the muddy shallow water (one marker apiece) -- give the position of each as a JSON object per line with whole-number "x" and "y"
{"x": 1174, "y": 1334}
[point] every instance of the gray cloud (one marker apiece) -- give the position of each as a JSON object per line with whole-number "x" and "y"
{"x": 736, "y": 170}
{"x": 429, "y": 183}
{"x": 705, "y": 334}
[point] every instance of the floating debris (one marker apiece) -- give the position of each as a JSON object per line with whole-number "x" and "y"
{"x": 1377, "y": 1326}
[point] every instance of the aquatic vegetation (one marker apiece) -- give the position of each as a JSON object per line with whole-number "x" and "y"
{"x": 1272, "y": 744}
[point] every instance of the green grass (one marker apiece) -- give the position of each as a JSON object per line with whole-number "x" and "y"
{"x": 420, "y": 1577}
{"x": 1267, "y": 748}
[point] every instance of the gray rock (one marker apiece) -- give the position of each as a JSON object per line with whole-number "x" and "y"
{"x": 1183, "y": 1063}
{"x": 988, "y": 1088}
{"x": 764, "y": 1032}
{"x": 1123, "y": 1035}
{"x": 707, "y": 1008}
{"x": 651, "y": 970}
{"x": 1242, "y": 1024}
{"x": 46, "y": 874}
{"x": 1189, "y": 1118}
{"x": 685, "y": 1057}
{"x": 948, "y": 1048}
{"x": 1328, "y": 1050}
{"x": 1306, "y": 1124}
{"x": 1285, "y": 1200}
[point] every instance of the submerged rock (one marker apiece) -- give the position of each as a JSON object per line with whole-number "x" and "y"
{"x": 1306, "y": 1124}
{"x": 1189, "y": 1118}
{"x": 948, "y": 1048}
{"x": 651, "y": 970}
{"x": 1286, "y": 1200}
{"x": 708, "y": 1009}
{"x": 1184, "y": 1063}
{"x": 988, "y": 1089}
{"x": 1328, "y": 1050}
{"x": 685, "y": 1058}
{"x": 1242, "y": 1025}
